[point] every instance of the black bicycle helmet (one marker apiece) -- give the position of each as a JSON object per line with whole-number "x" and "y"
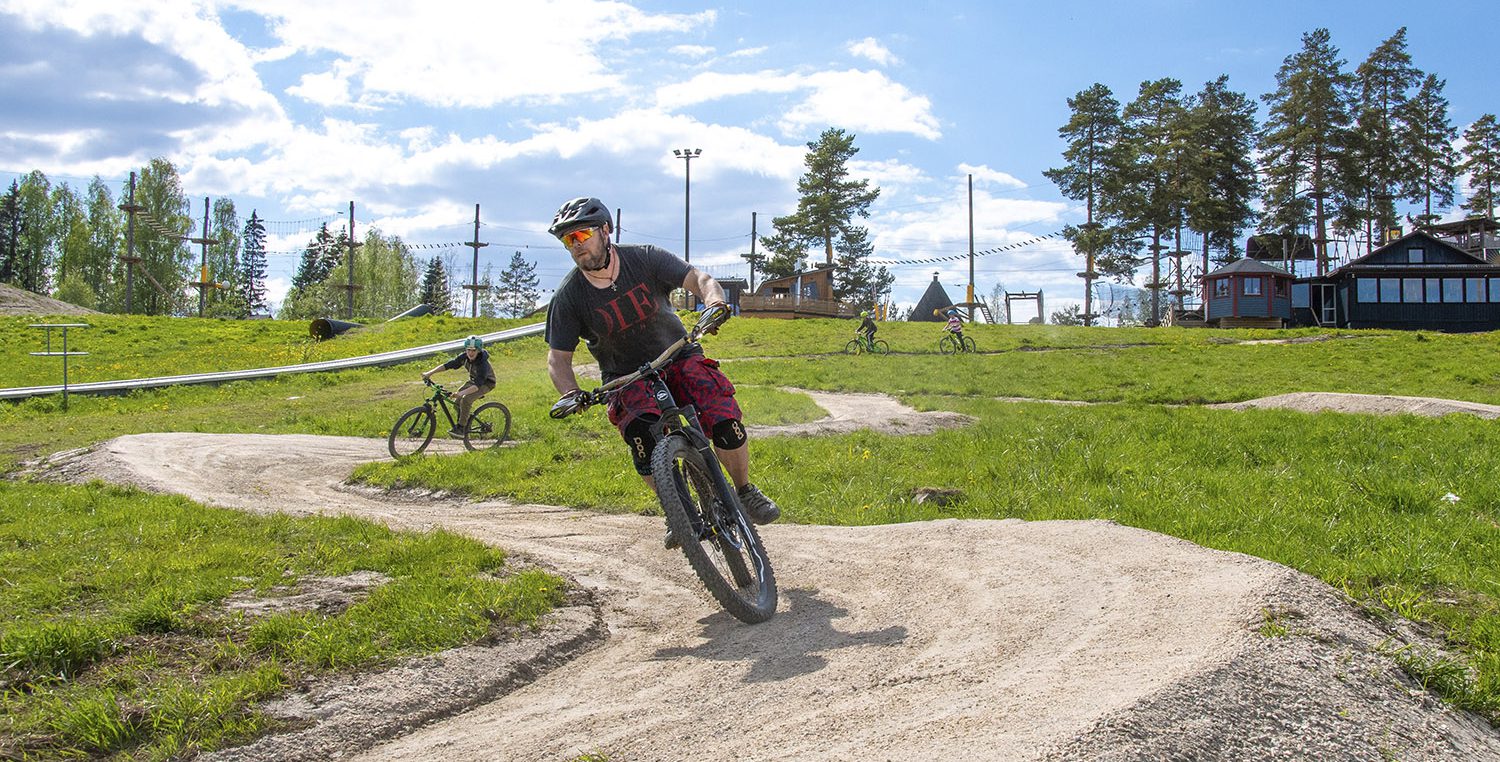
{"x": 585, "y": 212}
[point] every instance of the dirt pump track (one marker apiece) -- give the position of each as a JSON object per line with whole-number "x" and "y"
{"x": 938, "y": 640}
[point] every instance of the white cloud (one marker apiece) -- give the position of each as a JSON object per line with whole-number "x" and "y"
{"x": 692, "y": 51}
{"x": 861, "y": 101}
{"x": 871, "y": 48}
{"x": 984, "y": 174}
{"x": 413, "y": 52}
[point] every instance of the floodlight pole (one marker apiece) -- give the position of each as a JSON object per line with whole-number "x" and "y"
{"x": 687, "y": 155}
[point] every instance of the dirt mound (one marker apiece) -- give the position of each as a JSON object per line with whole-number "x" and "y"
{"x": 945, "y": 639}
{"x": 19, "y": 301}
{"x": 1380, "y": 404}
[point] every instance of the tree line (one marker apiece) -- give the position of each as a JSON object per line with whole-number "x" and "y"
{"x": 1337, "y": 152}
{"x": 73, "y": 245}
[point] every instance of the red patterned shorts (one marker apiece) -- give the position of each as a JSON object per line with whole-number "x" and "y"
{"x": 694, "y": 380}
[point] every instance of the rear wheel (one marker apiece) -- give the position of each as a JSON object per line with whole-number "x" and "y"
{"x": 721, "y": 544}
{"x": 882, "y": 348}
{"x": 969, "y": 344}
{"x": 948, "y": 344}
{"x": 852, "y": 347}
{"x": 489, "y": 425}
{"x": 412, "y": 432}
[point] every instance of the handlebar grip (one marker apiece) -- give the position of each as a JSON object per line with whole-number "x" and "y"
{"x": 712, "y": 318}
{"x": 568, "y": 406}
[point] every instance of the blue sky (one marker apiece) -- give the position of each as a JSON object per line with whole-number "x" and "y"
{"x": 418, "y": 111}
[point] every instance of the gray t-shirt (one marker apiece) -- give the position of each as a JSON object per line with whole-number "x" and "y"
{"x": 626, "y": 325}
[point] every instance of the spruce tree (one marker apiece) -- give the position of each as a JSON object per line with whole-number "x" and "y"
{"x": 252, "y": 275}
{"x": 1481, "y": 161}
{"x": 518, "y": 288}
{"x": 435, "y": 287}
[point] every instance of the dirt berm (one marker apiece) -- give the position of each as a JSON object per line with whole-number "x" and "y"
{"x": 938, "y": 640}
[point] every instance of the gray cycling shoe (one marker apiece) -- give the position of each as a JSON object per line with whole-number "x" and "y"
{"x": 758, "y": 507}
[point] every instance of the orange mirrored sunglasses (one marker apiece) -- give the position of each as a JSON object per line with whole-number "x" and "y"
{"x": 577, "y": 236}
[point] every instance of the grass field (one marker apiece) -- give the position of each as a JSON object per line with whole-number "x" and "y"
{"x": 1358, "y": 501}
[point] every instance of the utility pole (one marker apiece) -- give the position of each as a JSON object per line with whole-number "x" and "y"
{"x": 349, "y": 309}
{"x": 474, "y": 286}
{"x": 203, "y": 283}
{"x": 971, "y": 248}
{"x": 687, "y": 155}
{"x": 130, "y": 208}
{"x": 752, "y": 253}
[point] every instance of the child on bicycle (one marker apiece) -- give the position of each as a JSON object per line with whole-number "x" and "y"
{"x": 481, "y": 379}
{"x": 866, "y": 330}
{"x": 617, "y": 300}
{"x": 955, "y": 326}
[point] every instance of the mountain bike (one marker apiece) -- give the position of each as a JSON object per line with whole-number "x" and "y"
{"x": 487, "y": 427}
{"x": 702, "y": 510}
{"x": 950, "y": 344}
{"x": 860, "y": 344}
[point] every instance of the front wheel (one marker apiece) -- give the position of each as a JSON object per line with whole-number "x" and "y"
{"x": 969, "y": 345}
{"x": 948, "y": 344}
{"x": 412, "y": 431}
{"x": 720, "y": 543}
{"x": 882, "y": 348}
{"x": 853, "y": 347}
{"x": 489, "y": 425}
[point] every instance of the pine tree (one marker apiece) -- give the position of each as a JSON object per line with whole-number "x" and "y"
{"x": 1155, "y": 128}
{"x": 1428, "y": 140}
{"x": 827, "y": 204}
{"x": 1481, "y": 162}
{"x": 519, "y": 287}
{"x": 1221, "y": 183}
{"x": 1304, "y": 138}
{"x": 252, "y": 275}
{"x": 435, "y": 287}
{"x": 1092, "y": 174}
{"x": 1377, "y": 167}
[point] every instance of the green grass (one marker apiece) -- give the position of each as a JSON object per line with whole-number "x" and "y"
{"x": 1354, "y": 500}
{"x": 116, "y": 640}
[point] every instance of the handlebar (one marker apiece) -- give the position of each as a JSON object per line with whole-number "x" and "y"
{"x": 712, "y": 318}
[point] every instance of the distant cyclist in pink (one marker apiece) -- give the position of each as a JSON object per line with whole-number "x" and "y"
{"x": 956, "y": 325}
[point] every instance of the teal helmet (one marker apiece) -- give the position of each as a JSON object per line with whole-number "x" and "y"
{"x": 473, "y": 342}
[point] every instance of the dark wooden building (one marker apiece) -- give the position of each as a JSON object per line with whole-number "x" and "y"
{"x": 1414, "y": 282}
{"x": 932, "y": 304}
{"x": 805, "y": 294}
{"x": 1248, "y": 294}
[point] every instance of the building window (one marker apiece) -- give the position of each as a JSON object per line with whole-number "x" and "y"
{"x": 1221, "y": 287}
{"x": 1434, "y": 291}
{"x": 1252, "y": 286}
{"x": 1281, "y": 284}
{"x": 1366, "y": 290}
{"x": 1415, "y": 256}
{"x": 1474, "y": 289}
{"x": 1390, "y": 290}
{"x": 1494, "y": 290}
{"x": 1453, "y": 290}
{"x": 1411, "y": 290}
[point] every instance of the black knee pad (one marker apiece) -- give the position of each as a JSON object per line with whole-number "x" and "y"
{"x": 640, "y": 435}
{"x": 729, "y": 434}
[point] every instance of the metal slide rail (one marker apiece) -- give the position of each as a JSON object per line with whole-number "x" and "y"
{"x": 348, "y": 363}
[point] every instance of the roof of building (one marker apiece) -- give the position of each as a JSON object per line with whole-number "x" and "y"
{"x": 934, "y": 298}
{"x": 1247, "y": 265}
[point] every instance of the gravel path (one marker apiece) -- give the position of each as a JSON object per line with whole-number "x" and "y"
{"x": 936, "y": 640}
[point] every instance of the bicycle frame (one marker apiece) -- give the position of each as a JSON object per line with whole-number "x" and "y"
{"x": 440, "y": 400}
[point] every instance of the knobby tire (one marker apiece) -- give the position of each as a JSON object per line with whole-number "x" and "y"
{"x": 969, "y": 345}
{"x": 948, "y": 345}
{"x": 740, "y": 579}
{"x": 412, "y": 432}
{"x": 881, "y": 347}
{"x": 853, "y": 347}
{"x": 489, "y": 425}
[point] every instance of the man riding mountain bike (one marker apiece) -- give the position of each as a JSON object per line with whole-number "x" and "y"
{"x": 481, "y": 379}
{"x": 616, "y": 300}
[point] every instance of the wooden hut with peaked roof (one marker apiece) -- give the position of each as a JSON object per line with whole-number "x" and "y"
{"x": 803, "y": 294}
{"x": 1247, "y": 294}
{"x": 933, "y": 301}
{"x": 1417, "y": 281}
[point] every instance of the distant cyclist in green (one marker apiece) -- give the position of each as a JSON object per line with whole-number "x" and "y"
{"x": 481, "y": 379}
{"x": 867, "y": 329}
